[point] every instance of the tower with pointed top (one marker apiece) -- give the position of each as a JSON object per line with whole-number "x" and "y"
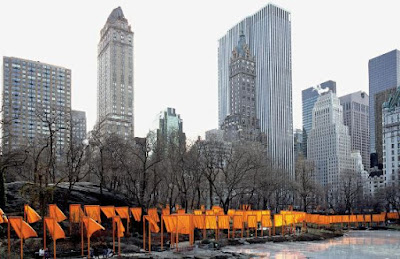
{"x": 241, "y": 124}
{"x": 115, "y": 109}
{"x": 268, "y": 34}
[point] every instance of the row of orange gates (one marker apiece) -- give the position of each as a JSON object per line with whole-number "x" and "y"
{"x": 181, "y": 223}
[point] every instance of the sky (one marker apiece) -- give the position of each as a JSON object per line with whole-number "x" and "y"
{"x": 176, "y": 44}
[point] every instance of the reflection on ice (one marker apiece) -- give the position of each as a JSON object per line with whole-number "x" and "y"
{"x": 355, "y": 244}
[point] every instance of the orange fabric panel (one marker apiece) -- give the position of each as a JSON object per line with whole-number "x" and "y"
{"x": 239, "y": 212}
{"x": 353, "y": 218}
{"x": 199, "y": 221}
{"x": 393, "y": 215}
{"x": 109, "y": 211}
{"x": 252, "y": 221}
{"x": 153, "y": 224}
{"x": 299, "y": 216}
{"x": 165, "y": 211}
{"x": 93, "y": 211}
{"x": 75, "y": 213}
{"x": 170, "y": 223}
{"x": 346, "y": 218}
{"x": 231, "y": 212}
{"x": 259, "y": 215}
{"x": 217, "y": 210}
{"x": 198, "y": 212}
{"x": 181, "y": 211}
{"x": 248, "y": 213}
{"x": 3, "y": 218}
{"x": 153, "y": 214}
{"x": 323, "y": 220}
{"x": 120, "y": 226}
{"x": 209, "y": 212}
{"x": 56, "y": 213}
{"x": 266, "y": 212}
{"x": 22, "y": 228}
{"x": 91, "y": 225}
{"x": 54, "y": 228}
{"x": 278, "y": 220}
{"x": 360, "y": 218}
{"x": 184, "y": 226}
{"x": 367, "y": 218}
{"x": 266, "y": 221}
{"x": 223, "y": 222}
{"x": 211, "y": 222}
{"x": 237, "y": 222}
{"x": 31, "y": 215}
{"x": 137, "y": 213}
{"x": 378, "y": 218}
{"x": 123, "y": 212}
{"x": 288, "y": 219}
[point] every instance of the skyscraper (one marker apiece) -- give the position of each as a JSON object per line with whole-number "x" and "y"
{"x": 170, "y": 128}
{"x": 309, "y": 98}
{"x": 115, "y": 111}
{"x": 242, "y": 124}
{"x": 329, "y": 144}
{"x": 356, "y": 118}
{"x": 384, "y": 73}
{"x": 268, "y": 34}
{"x": 37, "y": 104}
{"x": 78, "y": 126}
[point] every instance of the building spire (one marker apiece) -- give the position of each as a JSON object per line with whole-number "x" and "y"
{"x": 241, "y": 47}
{"x": 116, "y": 14}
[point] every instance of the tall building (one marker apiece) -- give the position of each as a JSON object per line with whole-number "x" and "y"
{"x": 37, "y": 103}
{"x": 309, "y": 97}
{"x": 298, "y": 143}
{"x": 268, "y": 34}
{"x": 380, "y": 98}
{"x": 329, "y": 144}
{"x": 384, "y": 73}
{"x": 391, "y": 139}
{"x": 78, "y": 126}
{"x": 241, "y": 124}
{"x": 115, "y": 111}
{"x": 356, "y": 118}
{"x": 170, "y": 128}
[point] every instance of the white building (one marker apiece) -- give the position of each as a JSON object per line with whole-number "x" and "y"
{"x": 391, "y": 140}
{"x": 329, "y": 144}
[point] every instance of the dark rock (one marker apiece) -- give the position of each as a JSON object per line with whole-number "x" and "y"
{"x": 20, "y": 193}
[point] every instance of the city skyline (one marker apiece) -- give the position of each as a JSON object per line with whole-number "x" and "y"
{"x": 73, "y": 44}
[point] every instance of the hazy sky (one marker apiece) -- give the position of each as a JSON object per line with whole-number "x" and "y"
{"x": 176, "y": 43}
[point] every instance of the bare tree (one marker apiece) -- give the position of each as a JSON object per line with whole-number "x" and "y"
{"x": 305, "y": 185}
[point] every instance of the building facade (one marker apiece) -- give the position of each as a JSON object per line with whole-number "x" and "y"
{"x": 384, "y": 73}
{"x": 356, "y": 118}
{"x": 380, "y": 98}
{"x": 298, "y": 143}
{"x": 37, "y": 104}
{"x": 268, "y": 34}
{"x": 170, "y": 128}
{"x": 242, "y": 124}
{"x": 329, "y": 145}
{"x": 391, "y": 140}
{"x": 115, "y": 109}
{"x": 309, "y": 97}
{"x": 78, "y": 126}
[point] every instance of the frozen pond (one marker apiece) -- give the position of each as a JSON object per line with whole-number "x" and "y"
{"x": 354, "y": 244}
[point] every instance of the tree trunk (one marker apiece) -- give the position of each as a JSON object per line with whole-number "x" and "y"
{"x": 3, "y": 197}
